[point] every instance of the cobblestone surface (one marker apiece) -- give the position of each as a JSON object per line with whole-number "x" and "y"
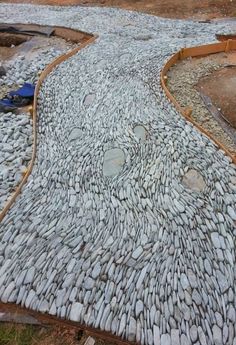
{"x": 138, "y": 252}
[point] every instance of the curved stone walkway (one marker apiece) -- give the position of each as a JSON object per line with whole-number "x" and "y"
{"x": 138, "y": 241}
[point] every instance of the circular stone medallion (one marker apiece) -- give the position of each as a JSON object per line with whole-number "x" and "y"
{"x": 194, "y": 180}
{"x": 114, "y": 160}
{"x": 140, "y": 132}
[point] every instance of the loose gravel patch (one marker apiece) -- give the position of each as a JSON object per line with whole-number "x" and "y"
{"x": 139, "y": 253}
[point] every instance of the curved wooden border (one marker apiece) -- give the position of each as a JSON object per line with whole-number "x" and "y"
{"x": 184, "y": 53}
{"x": 43, "y": 75}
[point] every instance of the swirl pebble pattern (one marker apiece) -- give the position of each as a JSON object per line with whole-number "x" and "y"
{"x": 128, "y": 220}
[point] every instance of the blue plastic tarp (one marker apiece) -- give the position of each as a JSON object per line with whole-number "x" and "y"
{"x": 27, "y": 90}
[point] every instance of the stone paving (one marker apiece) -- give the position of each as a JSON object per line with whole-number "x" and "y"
{"x": 127, "y": 222}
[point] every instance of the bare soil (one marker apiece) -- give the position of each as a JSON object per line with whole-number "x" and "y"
{"x": 220, "y": 86}
{"x": 202, "y": 10}
{"x": 26, "y": 334}
{"x": 19, "y": 334}
{"x": 190, "y": 78}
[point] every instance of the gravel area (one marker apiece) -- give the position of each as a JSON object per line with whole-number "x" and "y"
{"x": 182, "y": 83}
{"x": 127, "y": 222}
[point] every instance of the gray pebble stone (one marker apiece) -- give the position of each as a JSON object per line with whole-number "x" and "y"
{"x": 193, "y": 333}
{"x": 217, "y": 335}
{"x": 165, "y": 339}
{"x": 156, "y": 335}
{"x": 140, "y": 132}
{"x": 175, "y": 338}
{"x": 114, "y": 160}
{"x": 231, "y": 212}
{"x": 138, "y": 308}
{"x": 184, "y": 340}
{"x": 89, "y": 283}
{"x": 29, "y": 275}
{"x": 201, "y": 335}
{"x": 75, "y": 312}
{"x": 96, "y": 270}
{"x": 75, "y": 134}
{"x": 137, "y": 252}
{"x": 184, "y": 281}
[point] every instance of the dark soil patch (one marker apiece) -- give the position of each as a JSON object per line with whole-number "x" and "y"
{"x": 205, "y": 9}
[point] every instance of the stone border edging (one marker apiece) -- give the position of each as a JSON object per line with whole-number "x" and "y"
{"x": 43, "y": 75}
{"x": 184, "y": 53}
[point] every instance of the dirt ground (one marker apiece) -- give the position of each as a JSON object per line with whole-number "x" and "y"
{"x": 17, "y": 334}
{"x": 189, "y": 79}
{"x": 202, "y": 10}
{"x": 23, "y": 334}
{"x": 220, "y": 87}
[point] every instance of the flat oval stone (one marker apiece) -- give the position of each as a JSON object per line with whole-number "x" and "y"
{"x": 114, "y": 160}
{"x": 76, "y": 133}
{"x": 194, "y": 180}
{"x": 143, "y": 37}
{"x": 140, "y": 132}
{"x": 88, "y": 99}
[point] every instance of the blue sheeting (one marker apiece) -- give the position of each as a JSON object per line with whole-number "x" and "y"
{"x": 7, "y": 102}
{"x": 27, "y": 90}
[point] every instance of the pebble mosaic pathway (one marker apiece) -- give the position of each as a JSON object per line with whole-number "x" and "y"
{"x": 128, "y": 220}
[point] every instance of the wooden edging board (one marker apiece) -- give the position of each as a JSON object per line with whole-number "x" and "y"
{"x": 184, "y": 53}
